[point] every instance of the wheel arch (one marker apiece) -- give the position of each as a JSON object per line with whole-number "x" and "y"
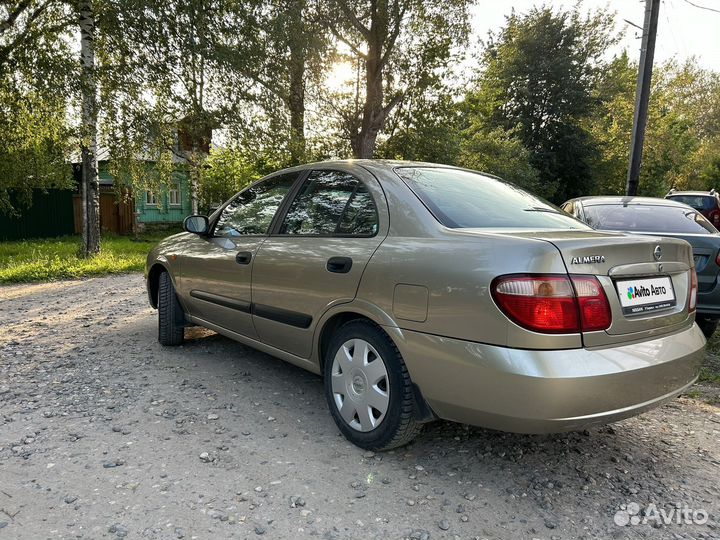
{"x": 153, "y": 281}
{"x": 339, "y": 315}
{"x": 342, "y": 314}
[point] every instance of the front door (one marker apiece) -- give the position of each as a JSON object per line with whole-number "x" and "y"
{"x": 317, "y": 255}
{"x": 216, "y": 270}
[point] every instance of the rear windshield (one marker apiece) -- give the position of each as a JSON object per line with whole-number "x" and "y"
{"x": 698, "y": 202}
{"x": 461, "y": 199}
{"x": 650, "y": 218}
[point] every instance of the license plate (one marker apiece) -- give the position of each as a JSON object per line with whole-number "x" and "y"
{"x": 638, "y": 296}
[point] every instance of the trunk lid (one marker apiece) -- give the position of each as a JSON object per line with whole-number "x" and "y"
{"x": 627, "y": 264}
{"x": 705, "y": 249}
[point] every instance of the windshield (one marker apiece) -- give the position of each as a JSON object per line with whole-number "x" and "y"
{"x": 460, "y": 199}
{"x": 649, "y": 218}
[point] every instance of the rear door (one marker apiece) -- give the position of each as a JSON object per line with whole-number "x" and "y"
{"x": 316, "y": 256}
{"x": 216, "y": 270}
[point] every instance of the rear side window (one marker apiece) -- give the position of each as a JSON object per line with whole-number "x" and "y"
{"x": 648, "y": 218}
{"x": 461, "y": 199}
{"x": 698, "y": 202}
{"x": 331, "y": 203}
{"x": 252, "y": 210}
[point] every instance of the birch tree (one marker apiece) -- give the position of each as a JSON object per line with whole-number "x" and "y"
{"x": 88, "y": 131}
{"x": 35, "y": 81}
{"x": 189, "y": 68}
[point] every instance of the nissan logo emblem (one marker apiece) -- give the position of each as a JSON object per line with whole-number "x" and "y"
{"x": 657, "y": 253}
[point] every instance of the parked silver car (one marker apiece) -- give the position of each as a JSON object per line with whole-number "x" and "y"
{"x": 646, "y": 215}
{"x": 422, "y": 291}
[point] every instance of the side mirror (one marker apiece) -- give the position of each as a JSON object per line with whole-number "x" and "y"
{"x": 196, "y": 224}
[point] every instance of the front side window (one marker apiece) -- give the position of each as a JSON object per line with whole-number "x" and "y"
{"x": 463, "y": 199}
{"x": 647, "y": 218}
{"x": 330, "y": 203}
{"x": 252, "y": 211}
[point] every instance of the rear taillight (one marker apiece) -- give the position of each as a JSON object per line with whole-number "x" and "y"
{"x": 594, "y": 306}
{"x": 553, "y": 304}
{"x": 692, "y": 302}
{"x": 717, "y": 258}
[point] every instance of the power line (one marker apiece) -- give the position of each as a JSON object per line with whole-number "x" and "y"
{"x": 679, "y": 41}
{"x": 701, "y": 7}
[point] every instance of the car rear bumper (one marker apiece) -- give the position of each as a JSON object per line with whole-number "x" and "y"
{"x": 543, "y": 391}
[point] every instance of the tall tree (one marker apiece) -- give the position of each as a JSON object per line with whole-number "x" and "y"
{"x": 35, "y": 81}
{"x": 88, "y": 131}
{"x": 399, "y": 43}
{"x": 539, "y": 72}
{"x": 185, "y": 63}
{"x": 29, "y": 30}
{"x": 681, "y": 145}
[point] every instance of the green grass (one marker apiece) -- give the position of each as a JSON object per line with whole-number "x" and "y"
{"x": 58, "y": 258}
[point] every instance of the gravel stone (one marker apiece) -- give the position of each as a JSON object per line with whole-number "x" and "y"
{"x": 84, "y": 383}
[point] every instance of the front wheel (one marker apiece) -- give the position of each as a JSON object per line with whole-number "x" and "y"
{"x": 368, "y": 388}
{"x": 171, "y": 319}
{"x": 708, "y": 326}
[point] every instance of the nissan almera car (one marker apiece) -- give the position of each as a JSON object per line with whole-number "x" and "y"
{"x": 422, "y": 291}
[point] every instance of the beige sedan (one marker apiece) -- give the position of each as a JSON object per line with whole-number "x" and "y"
{"x": 422, "y": 291}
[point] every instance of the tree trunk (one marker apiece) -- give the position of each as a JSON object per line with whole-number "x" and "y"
{"x": 374, "y": 113}
{"x": 296, "y": 95}
{"x": 88, "y": 143}
{"x": 195, "y": 165}
{"x": 373, "y": 116}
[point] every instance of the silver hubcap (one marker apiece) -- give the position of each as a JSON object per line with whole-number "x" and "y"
{"x": 360, "y": 385}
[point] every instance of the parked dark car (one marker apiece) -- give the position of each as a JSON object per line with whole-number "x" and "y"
{"x": 705, "y": 202}
{"x": 663, "y": 217}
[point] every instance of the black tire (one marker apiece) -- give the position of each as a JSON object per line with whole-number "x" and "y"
{"x": 399, "y": 425}
{"x": 171, "y": 319}
{"x": 708, "y": 326}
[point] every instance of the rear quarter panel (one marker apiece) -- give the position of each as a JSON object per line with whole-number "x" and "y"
{"x": 457, "y": 269}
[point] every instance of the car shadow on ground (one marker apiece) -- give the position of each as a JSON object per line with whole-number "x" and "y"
{"x": 653, "y": 458}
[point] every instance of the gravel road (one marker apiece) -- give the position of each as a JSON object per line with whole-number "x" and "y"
{"x": 105, "y": 434}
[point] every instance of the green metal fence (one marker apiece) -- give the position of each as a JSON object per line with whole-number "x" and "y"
{"x": 51, "y": 214}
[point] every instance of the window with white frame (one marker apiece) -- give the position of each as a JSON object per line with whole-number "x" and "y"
{"x": 150, "y": 198}
{"x": 174, "y": 198}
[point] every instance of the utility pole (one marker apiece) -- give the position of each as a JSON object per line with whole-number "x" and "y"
{"x": 642, "y": 96}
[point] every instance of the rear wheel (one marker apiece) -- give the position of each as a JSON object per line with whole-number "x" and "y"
{"x": 368, "y": 388}
{"x": 708, "y": 326}
{"x": 171, "y": 319}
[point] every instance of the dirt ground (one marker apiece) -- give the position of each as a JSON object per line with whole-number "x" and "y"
{"x": 105, "y": 434}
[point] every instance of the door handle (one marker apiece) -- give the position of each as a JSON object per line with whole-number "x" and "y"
{"x": 339, "y": 265}
{"x": 243, "y": 257}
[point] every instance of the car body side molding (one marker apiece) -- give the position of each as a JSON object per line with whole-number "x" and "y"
{"x": 284, "y": 316}
{"x": 220, "y": 300}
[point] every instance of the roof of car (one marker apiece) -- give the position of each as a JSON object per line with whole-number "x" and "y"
{"x": 379, "y": 162}
{"x": 693, "y": 193}
{"x": 380, "y": 165}
{"x": 624, "y": 200}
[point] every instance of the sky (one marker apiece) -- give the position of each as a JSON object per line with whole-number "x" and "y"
{"x": 684, "y": 31}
